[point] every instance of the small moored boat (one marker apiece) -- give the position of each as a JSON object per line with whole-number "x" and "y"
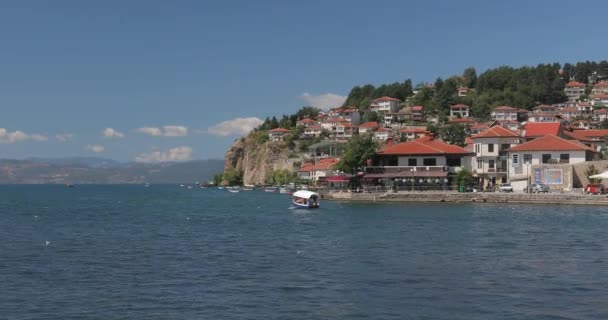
{"x": 271, "y": 189}
{"x": 305, "y": 199}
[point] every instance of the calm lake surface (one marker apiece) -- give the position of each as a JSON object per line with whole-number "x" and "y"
{"x": 165, "y": 252}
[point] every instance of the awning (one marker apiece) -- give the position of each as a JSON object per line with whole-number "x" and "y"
{"x": 405, "y": 174}
{"x": 336, "y": 179}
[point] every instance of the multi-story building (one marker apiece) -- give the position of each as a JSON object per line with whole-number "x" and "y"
{"x": 490, "y": 161}
{"x": 459, "y": 111}
{"x": 278, "y": 134}
{"x": 366, "y": 127}
{"x": 600, "y": 88}
{"x": 574, "y": 90}
{"x": 505, "y": 113}
{"x": 385, "y": 104}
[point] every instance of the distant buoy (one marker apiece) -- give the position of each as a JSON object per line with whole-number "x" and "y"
{"x": 46, "y": 243}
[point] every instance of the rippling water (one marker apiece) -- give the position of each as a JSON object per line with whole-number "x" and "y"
{"x": 164, "y": 252}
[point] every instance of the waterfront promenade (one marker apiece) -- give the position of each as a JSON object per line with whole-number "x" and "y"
{"x": 480, "y": 197}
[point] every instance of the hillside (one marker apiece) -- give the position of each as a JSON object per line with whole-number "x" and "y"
{"x": 89, "y": 171}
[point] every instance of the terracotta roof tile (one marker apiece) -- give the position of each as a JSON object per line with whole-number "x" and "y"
{"x": 551, "y": 143}
{"x": 424, "y": 146}
{"x": 575, "y": 84}
{"x": 386, "y": 98}
{"x": 369, "y": 125}
{"x": 536, "y": 129}
{"x": 279, "y": 130}
{"x": 496, "y": 132}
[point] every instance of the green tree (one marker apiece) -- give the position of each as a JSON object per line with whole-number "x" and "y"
{"x": 281, "y": 177}
{"x": 463, "y": 177}
{"x": 371, "y": 116}
{"x": 453, "y": 133}
{"x": 592, "y": 170}
{"x": 469, "y": 77}
{"x": 233, "y": 177}
{"x": 356, "y": 153}
{"x": 217, "y": 179}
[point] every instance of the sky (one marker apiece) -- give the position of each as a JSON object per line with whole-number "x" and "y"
{"x": 149, "y": 81}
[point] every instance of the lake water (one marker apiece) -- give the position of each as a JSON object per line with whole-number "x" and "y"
{"x": 165, "y": 252}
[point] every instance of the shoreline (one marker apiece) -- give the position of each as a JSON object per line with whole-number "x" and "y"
{"x": 470, "y": 197}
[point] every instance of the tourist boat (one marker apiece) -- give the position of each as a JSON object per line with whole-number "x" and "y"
{"x": 220, "y": 188}
{"x": 234, "y": 189}
{"x": 248, "y": 188}
{"x": 271, "y": 189}
{"x": 305, "y": 199}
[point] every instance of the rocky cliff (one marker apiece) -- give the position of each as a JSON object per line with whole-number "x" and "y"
{"x": 257, "y": 161}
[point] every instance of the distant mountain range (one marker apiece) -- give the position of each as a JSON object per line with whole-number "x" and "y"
{"x": 89, "y": 170}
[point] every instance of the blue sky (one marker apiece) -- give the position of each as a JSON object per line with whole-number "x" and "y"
{"x": 76, "y": 68}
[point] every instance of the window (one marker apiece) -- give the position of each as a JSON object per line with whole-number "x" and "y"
{"x": 412, "y": 162}
{"x": 491, "y": 164}
{"x": 477, "y": 148}
{"x": 490, "y": 147}
{"x": 527, "y": 158}
{"x": 504, "y": 146}
{"x": 479, "y": 164}
{"x": 429, "y": 162}
{"x": 515, "y": 159}
{"x": 564, "y": 158}
{"x": 453, "y": 161}
{"x": 546, "y": 157}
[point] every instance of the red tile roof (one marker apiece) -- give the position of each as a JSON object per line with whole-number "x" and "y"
{"x": 382, "y": 129}
{"x": 537, "y": 129}
{"x": 544, "y": 106}
{"x": 306, "y": 120}
{"x": 316, "y": 127}
{"x": 414, "y": 130}
{"x": 505, "y": 108}
{"x": 551, "y": 143}
{"x": 417, "y": 108}
{"x": 496, "y": 132}
{"x": 385, "y": 98}
{"x": 324, "y": 164}
{"x": 279, "y": 130}
{"x": 423, "y": 146}
{"x": 462, "y": 120}
{"x": 601, "y": 84}
{"x": 459, "y": 106}
{"x": 369, "y": 125}
{"x": 575, "y": 84}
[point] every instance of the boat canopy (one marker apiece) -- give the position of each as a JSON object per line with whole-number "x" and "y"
{"x": 305, "y": 194}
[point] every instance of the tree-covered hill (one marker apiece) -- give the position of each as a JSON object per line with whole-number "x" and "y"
{"x": 522, "y": 87}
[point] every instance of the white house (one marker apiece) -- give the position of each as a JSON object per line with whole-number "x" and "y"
{"x": 312, "y": 131}
{"x": 314, "y": 171}
{"x": 278, "y": 134}
{"x": 599, "y": 100}
{"x": 570, "y": 113}
{"x": 385, "y": 104}
{"x": 542, "y": 117}
{"x": 600, "y": 88}
{"x": 490, "y": 161}
{"x": 504, "y": 113}
{"x": 460, "y": 110}
{"x": 382, "y": 134}
{"x": 544, "y": 108}
{"x": 366, "y": 127}
{"x": 525, "y": 161}
{"x": 574, "y": 90}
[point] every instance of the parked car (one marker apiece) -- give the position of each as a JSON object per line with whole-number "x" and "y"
{"x": 505, "y": 187}
{"x": 595, "y": 188}
{"x": 539, "y": 187}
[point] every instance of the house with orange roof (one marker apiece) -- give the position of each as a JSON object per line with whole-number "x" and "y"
{"x": 570, "y": 113}
{"x": 600, "y": 114}
{"x": 385, "y": 104}
{"x": 417, "y": 113}
{"x": 574, "y": 90}
{"x": 600, "y": 88}
{"x": 312, "y": 131}
{"x": 586, "y": 108}
{"x": 547, "y": 160}
{"x": 278, "y": 134}
{"x": 599, "y": 100}
{"x": 504, "y": 113}
{"x": 366, "y": 127}
{"x": 425, "y": 151}
{"x": 306, "y": 122}
{"x": 490, "y": 161}
{"x": 477, "y": 128}
{"x": 460, "y": 111}
{"x": 544, "y": 108}
{"x": 344, "y": 130}
{"x": 382, "y": 134}
{"x": 413, "y": 133}
{"x": 314, "y": 171}
{"x": 596, "y": 139}
{"x": 543, "y": 117}
{"x": 463, "y": 91}
{"x": 534, "y": 130}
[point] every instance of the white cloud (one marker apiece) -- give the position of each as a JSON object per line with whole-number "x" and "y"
{"x": 238, "y": 126}
{"x": 18, "y": 135}
{"x": 175, "y": 131}
{"x": 64, "y": 137}
{"x": 111, "y": 133}
{"x": 95, "y": 148}
{"x": 183, "y": 153}
{"x": 323, "y": 101}
{"x": 166, "y": 131}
